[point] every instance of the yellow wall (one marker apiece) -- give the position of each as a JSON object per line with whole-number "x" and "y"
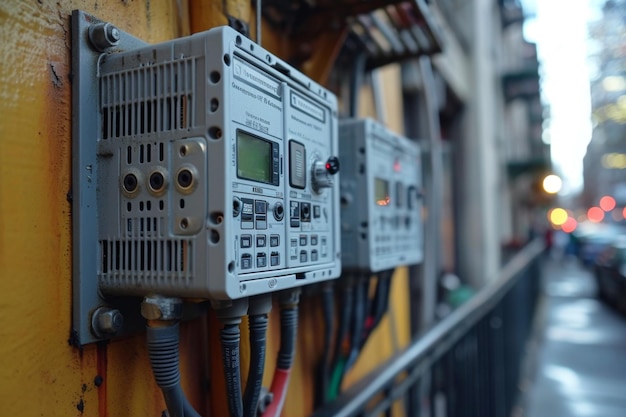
{"x": 40, "y": 373}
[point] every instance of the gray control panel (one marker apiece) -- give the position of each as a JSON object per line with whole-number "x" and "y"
{"x": 381, "y": 197}
{"x": 216, "y": 173}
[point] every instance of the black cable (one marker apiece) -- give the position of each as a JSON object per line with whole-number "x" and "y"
{"x": 358, "y": 72}
{"x": 387, "y": 290}
{"x": 288, "y": 331}
{"x": 328, "y": 310}
{"x": 358, "y": 324}
{"x": 339, "y": 355}
{"x": 344, "y": 323}
{"x": 230, "y": 337}
{"x": 258, "y": 331}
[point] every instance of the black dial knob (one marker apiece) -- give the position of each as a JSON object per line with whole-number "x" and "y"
{"x": 322, "y": 173}
{"x": 332, "y": 165}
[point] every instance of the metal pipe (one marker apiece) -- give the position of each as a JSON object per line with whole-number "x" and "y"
{"x": 434, "y": 185}
{"x": 434, "y": 344}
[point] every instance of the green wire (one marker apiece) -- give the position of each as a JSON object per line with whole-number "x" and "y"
{"x": 335, "y": 380}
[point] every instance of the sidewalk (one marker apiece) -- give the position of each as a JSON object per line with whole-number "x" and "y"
{"x": 580, "y": 360}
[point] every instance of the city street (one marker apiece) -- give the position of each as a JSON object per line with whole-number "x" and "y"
{"x": 578, "y": 367}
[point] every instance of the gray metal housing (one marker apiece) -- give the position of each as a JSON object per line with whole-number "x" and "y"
{"x": 379, "y": 232}
{"x": 178, "y": 215}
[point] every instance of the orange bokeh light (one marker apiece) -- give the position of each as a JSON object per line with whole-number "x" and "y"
{"x": 570, "y": 225}
{"x": 595, "y": 214}
{"x": 607, "y": 203}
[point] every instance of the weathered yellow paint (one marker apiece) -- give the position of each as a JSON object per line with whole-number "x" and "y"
{"x": 40, "y": 373}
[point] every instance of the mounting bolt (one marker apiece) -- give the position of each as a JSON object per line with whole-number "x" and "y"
{"x": 106, "y": 321}
{"x": 104, "y": 35}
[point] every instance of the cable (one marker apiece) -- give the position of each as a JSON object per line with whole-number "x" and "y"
{"x": 379, "y": 305}
{"x": 230, "y": 337}
{"x": 163, "y": 338}
{"x": 288, "y": 331}
{"x": 258, "y": 330}
{"x": 358, "y": 72}
{"x": 342, "y": 348}
{"x": 328, "y": 308}
{"x": 358, "y": 324}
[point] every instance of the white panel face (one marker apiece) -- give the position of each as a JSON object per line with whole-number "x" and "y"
{"x": 381, "y": 203}
{"x": 211, "y": 186}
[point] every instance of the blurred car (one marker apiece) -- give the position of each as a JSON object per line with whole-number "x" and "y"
{"x": 610, "y": 274}
{"x": 593, "y": 238}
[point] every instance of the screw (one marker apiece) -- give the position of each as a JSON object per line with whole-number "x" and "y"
{"x": 106, "y": 321}
{"x": 104, "y": 35}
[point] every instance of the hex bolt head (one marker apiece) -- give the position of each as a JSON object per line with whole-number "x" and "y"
{"x": 104, "y": 36}
{"x": 107, "y": 321}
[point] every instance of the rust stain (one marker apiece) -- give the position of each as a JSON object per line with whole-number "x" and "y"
{"x": 101, "y": 379}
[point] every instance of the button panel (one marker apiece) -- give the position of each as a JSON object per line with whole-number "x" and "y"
{"x": 254, "y": 215}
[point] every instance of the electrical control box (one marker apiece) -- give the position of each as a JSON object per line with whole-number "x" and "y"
{"x": 216, "y": 171}
{"x": 381, "y": 197}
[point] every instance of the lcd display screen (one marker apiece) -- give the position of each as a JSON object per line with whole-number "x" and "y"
{"x": 254, "y": 158}
{"x": 381, "y": 192}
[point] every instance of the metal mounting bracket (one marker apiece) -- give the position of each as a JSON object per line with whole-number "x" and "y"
{"x": 91, "y": 38}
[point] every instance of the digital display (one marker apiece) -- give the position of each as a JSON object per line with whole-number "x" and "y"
{"x": 381, "y": 192}
{"x": 254, "y": 158}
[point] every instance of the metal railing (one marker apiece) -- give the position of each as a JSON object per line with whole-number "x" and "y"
{"x": 468, "y": 364}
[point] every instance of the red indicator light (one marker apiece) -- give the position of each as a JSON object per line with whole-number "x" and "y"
{"x": 327, "y": 166}
{"x": 396, "y": 166}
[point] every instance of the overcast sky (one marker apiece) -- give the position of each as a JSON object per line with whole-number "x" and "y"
{"x": 559, "y": 27}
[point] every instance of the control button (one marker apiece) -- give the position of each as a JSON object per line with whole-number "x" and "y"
{"x": 275, "y": 259}
{"x": 261, "y": 260}
{"x": 314, "y": 256}
{"x": 261, "y": 222}
{"x": 247, "y": 209}
{"x": 324, "y": 250}
{"x": 317, "y": 213}
{"x": 324, "y": 240}
{"x": 246, "y": 241}
{"x": 303, "y": 256}
{"x": 246, "y": 261}
{"x": 294, "y": 214}
{"x": 305, "y": 212}
{"x": 293, "y": 249}
{"x": 274, "y": 240}
{"x": 260, "y": 207}
{"x": 303, "y": 240}
{"x": 247, "y": 213}
{"x": 260, "y": 241}
{"x": 279, "y": 211}
{"x": 314, "y": 240}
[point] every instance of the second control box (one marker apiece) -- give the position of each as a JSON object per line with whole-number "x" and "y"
{"x": 381, "y": 197}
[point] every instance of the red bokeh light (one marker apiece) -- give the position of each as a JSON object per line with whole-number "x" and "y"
{"x": 595, "y": 214}
{"x": 607, "y": 203}
{"x": 570, "y": 225}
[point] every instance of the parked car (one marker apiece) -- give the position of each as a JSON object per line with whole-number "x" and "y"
{"x": 592, "y": 238}
{"x": 610, "y": 274}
